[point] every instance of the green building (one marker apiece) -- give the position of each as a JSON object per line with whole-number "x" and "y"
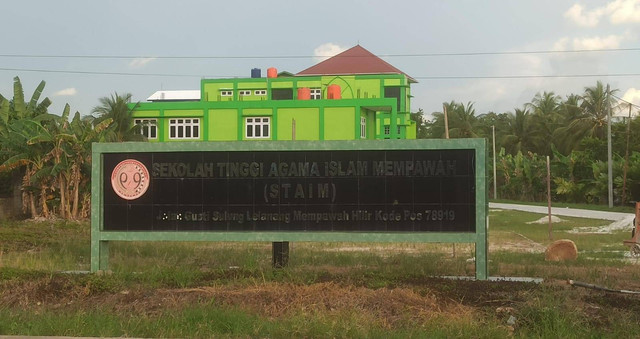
{"x": 353, "y": 95}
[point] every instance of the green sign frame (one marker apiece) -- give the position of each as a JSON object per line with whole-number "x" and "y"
{"x": 100, "y": 238}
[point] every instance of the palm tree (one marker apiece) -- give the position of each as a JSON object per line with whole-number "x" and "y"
{"x": 596, "y": 102}
{"x": 116, "y": 107}
{"x": 570, "y": 110}
{"x": 520, "y": 134}
{"x": 461, "y": 120}
{"x": 545, "y": 108}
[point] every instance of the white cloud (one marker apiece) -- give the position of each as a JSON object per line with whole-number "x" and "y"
{"x": 611, "y": 41}
{"x": 582, "y": 18}
{"x": 632, "y": 95}
{"x": 624, "y": 11}
{"x": 66, "y": 92}
{"x": 327, "y": 50}
{"x": 140, "y": 62}
{"x": 561, "y": 45}
{"x": 618, "y": 11}
{"x": 596, "y": 42}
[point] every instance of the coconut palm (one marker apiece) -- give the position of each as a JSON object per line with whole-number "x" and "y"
{"x": 545, "y": 108}
{"x": 570, "y": 110}
{"x": 596, "y": 103}
{"x": 520, "y": 134}
{"x": 461, "y": 120}
{"x": 116, "y": 107}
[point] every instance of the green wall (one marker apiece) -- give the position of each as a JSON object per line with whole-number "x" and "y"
{"x": 339, "y": 123}
{"x": 223, "y": 124}
{"x": 307, "y": 123}
{"x": 362, "y": 95}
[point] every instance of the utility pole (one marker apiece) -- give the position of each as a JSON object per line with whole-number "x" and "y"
{"x": 446, "y": 135}
{"x": 549, "y": 197}
{"x": 446, "y": 121}
{"x": 626, "y": 160}
{"x": 609, "y": 157}
{"x": 495, "y": 185}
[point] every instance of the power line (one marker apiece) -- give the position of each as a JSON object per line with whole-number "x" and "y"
{"x": 527, "y": 76}
{"x": 436, "y": 77}
{"x": 630, "y": 103}
{"x": 103, "y": 73}
{"x": 443, "y": 54}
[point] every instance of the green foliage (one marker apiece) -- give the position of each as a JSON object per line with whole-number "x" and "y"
{"x": 422, "y": 131}
{"x": 116, "y": 108}
{"x": 52, "y": 154}
{"x": 572, "y": 131}
{"x": 189, "y": 290}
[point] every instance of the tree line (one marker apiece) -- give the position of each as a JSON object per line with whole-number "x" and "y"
{"x": 47, "y": 157}
{"x": 571, "y": 130}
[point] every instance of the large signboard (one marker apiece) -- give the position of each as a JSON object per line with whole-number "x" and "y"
{"x": 418, "y": 190}
{"x": 365, "y": 190}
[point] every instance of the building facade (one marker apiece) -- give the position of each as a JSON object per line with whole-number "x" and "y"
{"x": 353, "y": 95}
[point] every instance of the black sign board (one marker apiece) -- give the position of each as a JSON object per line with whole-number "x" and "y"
{"x": 335, "y": 191}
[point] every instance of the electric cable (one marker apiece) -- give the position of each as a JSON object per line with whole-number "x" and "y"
{"x": 439, "y": 54}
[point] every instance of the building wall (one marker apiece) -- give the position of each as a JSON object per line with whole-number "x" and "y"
{"x": 226, "y": 104}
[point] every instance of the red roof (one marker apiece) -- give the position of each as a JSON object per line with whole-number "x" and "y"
{"x": 355, "y": 60}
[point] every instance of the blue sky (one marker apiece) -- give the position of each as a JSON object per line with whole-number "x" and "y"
{"x": 278, "y": 28}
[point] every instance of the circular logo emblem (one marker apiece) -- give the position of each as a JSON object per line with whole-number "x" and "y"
{"x": 130, "y": 179}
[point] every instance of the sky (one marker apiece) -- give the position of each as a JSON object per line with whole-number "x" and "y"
{"x": 488, "y": 53}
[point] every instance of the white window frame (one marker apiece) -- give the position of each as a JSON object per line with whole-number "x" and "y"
{"x": 184, "y": 128}
{"x": 363, "y": 127}
{"x": 387, "y": 129}
{"x": 316, "y": 94}
{"x": 226, "y": 93}
{"x": 244, "y": 93}
{"x": 255, "y": 127}
{"x": 148, "y": 127}
{"x": 261, "y": 92}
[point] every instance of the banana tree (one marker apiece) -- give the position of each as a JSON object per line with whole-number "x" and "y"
{"x": 16, "y": 128}
{"x": 84, "y": 134}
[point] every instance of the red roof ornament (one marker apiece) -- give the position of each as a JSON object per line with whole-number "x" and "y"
{"x": 356, "y": 60}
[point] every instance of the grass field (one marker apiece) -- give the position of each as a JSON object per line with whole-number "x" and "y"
{"x": 328, "y": 289}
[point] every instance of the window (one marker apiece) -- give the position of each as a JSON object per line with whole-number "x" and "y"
{"x": 282, "y": 94}
{"x": 316, "y": 94}
{"x": 184, "y": 128}
{"x": 260, "y": 92}
{"x": 393, "y": 92}
{"x": 387, "y": 130}
{"x": 148, "y": 127}
{"x": 363, "y": 127}
{"x": 244, "y": 93}
{"x": 257, "y": 128}
{"x": 226, "y": 93}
